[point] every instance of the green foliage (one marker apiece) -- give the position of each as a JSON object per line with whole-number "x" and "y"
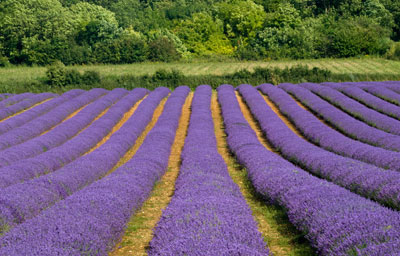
{"x": 203, "y": 35}
{"x": 394, "y": 52}
{"x": 58, "y": 76}
{"x": 285, "y": 15}
{"x": 127, "y": 49}
{"x": 242, "y": 18}
{"x": 376, "y": 10}
{"x": 89, "y": 78}
{"x": 4, "y": 61}
{"x": 287, "y": 42}
{"x": 173, "y": 77}
{"x": 39, "y": 32}
{"x": 353, "y": 37}
{"x": 174, "y": 39}
{"x": 163, "y": 49}
{"x": 33, "y": 31}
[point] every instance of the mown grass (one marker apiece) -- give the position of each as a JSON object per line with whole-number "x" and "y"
{"x": 20, "y": 78}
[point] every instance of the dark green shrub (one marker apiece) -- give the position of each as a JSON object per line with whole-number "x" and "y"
{"x": 394, "y": 52}
{"x": 90, "y": 77}
{"x": 122, "y": 50}
{"x": 56, "y": 74}
{"x": 247, "y": 53}
{"x": 352, "y": 37}
{"x": 72, "y": 76}
{"x": 4, "y": 61}
{"x": 170, "y": 77}
{"x": 162, "y": 49}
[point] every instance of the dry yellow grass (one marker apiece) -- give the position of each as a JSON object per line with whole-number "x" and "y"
{"x": 139, "y": 230}
{"x": 24, "y": 110}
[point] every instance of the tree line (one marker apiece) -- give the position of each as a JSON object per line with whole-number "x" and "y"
{"x": 39, "y": 32}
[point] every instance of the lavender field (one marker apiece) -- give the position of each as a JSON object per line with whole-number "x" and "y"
{"x": 180, "y": 172}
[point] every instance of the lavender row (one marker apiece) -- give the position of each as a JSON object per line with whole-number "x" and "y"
{"x": 207, "y": 214}
{"x": 37, "y": 111}
{"x": 59, "y": 156}
{"x": 335, "y": 221}
{"x": 362, "y": 178}
{"x": 382, "y": 92}
{"x": 24, "y": 104}
{"x": 23, "y": 201}
{"x": 15, "y": 98}
{"x": 39, "y": 125}
{"x": 327, "y": 137}
{"x": 92, "y": 220}
{"x": 4, "y": 96}
{"x": 350, "y": 126}
{"x": 62, "y": 132}
{"x": 392, "y": 85}
{"x": 369, "y": 100}
{"x": 356, "y": 109}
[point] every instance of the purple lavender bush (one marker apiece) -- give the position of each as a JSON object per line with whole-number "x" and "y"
{"x": 335, "y": 220}
{"x": 57, "y": 157}
{"x": 62, "y": 132}
{"x": 23, "y": 201}
{"x": 4, "y": 96}
{"x": 365, "y": 179}
{"x": 370, "y": 100}
{"x": 92, "y": 220}
{"x": 326, "y": 137}
{"x": 382, "y": 92}
{"x": 41, "y": 124}
{"x": 37, "y": 111}
{"x": 207, "y": 214}
{"x": 15, "y": 99}
{"x": 356, "y": 109}
{"x": 343, "y": 122}
{"x": 24, "y": 104}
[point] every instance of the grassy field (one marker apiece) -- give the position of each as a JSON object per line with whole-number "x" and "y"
{"x": 350, "y": 67}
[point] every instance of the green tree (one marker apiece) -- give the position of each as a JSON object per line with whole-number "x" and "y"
{"x": 242, "y": 18}
{"x": 34, "y": 31}
{"x": 349, "y": 37}
{"x": 203, "y": 35}
{"x": 377, "y": 11}
{"x": 285, "y": 15}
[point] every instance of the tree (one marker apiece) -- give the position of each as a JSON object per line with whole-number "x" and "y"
{"x": 34, "y": 31}
{"x": 242, "y": 18}
{"x": 203, "y": 35}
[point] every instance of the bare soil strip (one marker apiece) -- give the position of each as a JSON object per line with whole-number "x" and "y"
{"x": 116, "y": 127}
{"x": 281, "y": 236}
{"x": 24, "y": 110}
{"x": 139, "y": 230}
